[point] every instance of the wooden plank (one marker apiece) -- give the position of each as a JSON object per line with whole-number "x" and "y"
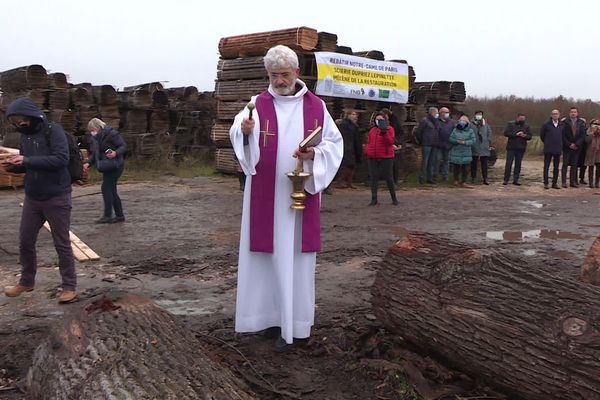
{"x": 77, "y": 253}
{"x": 81, "y": 251}
{"x": 76, "y": 242}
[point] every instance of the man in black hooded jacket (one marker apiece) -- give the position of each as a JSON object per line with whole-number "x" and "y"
{"x": 44, "y": 157}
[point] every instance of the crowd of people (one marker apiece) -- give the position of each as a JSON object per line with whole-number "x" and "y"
{"x": 464, "y": 148}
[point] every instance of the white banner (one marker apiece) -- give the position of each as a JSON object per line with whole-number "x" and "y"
{"x": 342, "y": 75}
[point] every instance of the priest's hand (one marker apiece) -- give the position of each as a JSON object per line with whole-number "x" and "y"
{"x": 247, "y": 126}
{"x": 307, "y": 154}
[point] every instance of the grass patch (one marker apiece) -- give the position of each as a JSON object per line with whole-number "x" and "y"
{"x": 412, "y": 181}
{"x": 140, "y": 169}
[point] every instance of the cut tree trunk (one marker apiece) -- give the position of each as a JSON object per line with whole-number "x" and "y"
{"x": 525, "y": 327}
{"x": 590, "y": 272}
{"x": 126, "y": 347}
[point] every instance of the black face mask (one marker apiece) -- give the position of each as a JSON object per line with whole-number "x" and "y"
{"x": 26, "y": 129}
{"x": 520, "y": 122}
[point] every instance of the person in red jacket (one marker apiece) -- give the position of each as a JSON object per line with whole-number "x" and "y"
{"x": 380, "y": 155}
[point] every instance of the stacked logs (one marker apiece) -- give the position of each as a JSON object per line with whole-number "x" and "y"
{"x": 154, "y": 120}
{"x": 145, "y": 115}
{"x": 159, "y": 121}
{"x": 50, "y": 92}
{"x": 442, "y": 91}
{"x": 301, "y": 39}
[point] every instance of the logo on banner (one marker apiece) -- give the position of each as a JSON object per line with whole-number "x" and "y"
{"x": 384, "y": 94}
{"x": 372, "y": 93}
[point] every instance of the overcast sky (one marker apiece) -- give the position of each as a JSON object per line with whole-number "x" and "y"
{"x": 526, "y": 48}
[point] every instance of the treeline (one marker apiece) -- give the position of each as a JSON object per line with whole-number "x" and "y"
{"x": 501, "y": 109}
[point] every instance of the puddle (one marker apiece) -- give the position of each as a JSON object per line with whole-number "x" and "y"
{"x": 533, "y": 234}
{"x": 185, "y": 307}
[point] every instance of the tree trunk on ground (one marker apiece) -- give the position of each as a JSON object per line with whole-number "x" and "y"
{"x": 590, "y": 271}
{"x": 522, "y": 327}
{"x": 126, "y": 347}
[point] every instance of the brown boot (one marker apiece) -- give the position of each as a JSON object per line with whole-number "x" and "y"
{"x": 14, "y": 291}
{"x": 67, "y": 296}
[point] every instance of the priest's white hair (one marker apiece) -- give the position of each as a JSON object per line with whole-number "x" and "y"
{"x": 280, "y": 57}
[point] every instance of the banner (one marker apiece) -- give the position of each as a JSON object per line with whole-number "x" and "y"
{"x": 342, "y": 75}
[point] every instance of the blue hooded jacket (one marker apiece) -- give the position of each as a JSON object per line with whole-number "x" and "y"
{"x": 45, "y": 161}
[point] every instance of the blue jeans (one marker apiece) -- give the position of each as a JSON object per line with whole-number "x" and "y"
{"x": 517, "y": 157}
{"x": 443, "y": 155}
{"x": 428, "y": 164}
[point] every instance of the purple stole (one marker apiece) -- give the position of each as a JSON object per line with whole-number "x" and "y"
{"x": 262, "y": 196}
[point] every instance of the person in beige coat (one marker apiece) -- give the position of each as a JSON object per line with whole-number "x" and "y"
{"x": 592, "y": 154}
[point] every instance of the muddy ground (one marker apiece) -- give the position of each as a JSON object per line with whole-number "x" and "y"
{"x": 179, "y": 248}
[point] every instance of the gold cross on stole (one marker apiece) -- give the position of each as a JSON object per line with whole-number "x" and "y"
{"x": 316, "y": 125}
{"x": 266, "y": 133}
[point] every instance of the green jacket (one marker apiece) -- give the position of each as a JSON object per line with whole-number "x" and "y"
{"x": 462, "y": 153}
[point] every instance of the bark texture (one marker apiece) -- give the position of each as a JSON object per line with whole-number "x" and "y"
{"x": 124, "y": 346}
{"x": 523, "y": 327}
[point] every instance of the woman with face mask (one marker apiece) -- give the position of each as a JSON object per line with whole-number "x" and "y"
{"x": 462, "y": 139}
{"x": 108, "y": 149}
{"x": 380, "y": 155}
{"x": 481, "y": 149}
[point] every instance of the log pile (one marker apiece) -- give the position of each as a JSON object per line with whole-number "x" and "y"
{"x": 327, "y": 42}
{"x": 528, "y": 327}
{"x": 154, "y": 120}
{"x": 50, "y": 92}
{"x": 442, "y": 91}
{"x": 301, "y": 38}
{"x": 125, "y": 346}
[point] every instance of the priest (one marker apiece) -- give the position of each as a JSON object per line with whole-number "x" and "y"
{"x": 278, "y": 245}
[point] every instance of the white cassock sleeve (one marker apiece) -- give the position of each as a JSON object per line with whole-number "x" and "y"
{"x": 247, "y": 155}
{"x": 328, "y": 157}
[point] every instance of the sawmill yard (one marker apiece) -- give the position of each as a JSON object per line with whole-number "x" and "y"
{"x": 178, "y": 247}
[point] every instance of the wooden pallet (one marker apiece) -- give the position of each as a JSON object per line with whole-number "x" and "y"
{"x": 225, "y": 161}
{"x": 240, "y": 91}
{"x": 220, "y": 134}
{"x": 9, "y": 179}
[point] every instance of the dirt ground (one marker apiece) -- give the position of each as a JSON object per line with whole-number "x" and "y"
{"x": 179, "y": 248}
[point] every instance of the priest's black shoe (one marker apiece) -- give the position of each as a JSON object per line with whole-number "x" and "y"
{"x": 272, "y": 332}
{"x": 281, "y": 345}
